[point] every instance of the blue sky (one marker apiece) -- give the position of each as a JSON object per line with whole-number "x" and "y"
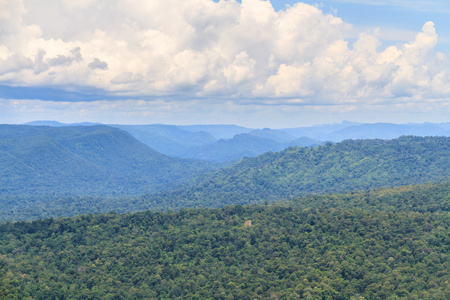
{"x": 252, "y": 63}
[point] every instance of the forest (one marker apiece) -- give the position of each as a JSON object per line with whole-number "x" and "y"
{"x": 351, "y": 165}
{"x": 358, "y": 219}
{"x": 375, "y": 244}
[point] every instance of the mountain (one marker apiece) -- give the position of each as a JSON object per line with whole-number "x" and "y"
{"x": 218, "y": 131}
{"x": 303, "y": 142}
{"x": 318, "y": 132}
{"x": 241, "y": 145}
{"x": 385, "y": 131}
{"x": 346, "y": 166}
{"x": 168, "y": 139}
{"x": 351, "y": 165}
{"x": 58, "y": 124}
{"x": 382, "y": 244}
{"x": 249, "y": 144}
{"x": 218, "y": 143}
{"x": 84, "y": 160}
{"x": 350, "y": 130}
{"x": 275, "y": 135}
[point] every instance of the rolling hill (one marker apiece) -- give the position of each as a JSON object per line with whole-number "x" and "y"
{"x": 346, "y": 166}
{"x": 84, "y": 160}
{"x": 213, "y": 142}
{"x": 168, "y": 139}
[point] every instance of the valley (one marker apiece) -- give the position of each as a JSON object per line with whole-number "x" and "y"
{"x": 89, "y": 211}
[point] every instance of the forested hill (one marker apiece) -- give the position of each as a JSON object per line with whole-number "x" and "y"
{"x": 384, "y": 244}
{"x": 346, "y": 166}
{"x": 84, "y": 160}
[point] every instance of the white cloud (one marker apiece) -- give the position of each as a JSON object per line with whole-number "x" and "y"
{"x": 428, "y": 5}
{"x": 200, "y": 48}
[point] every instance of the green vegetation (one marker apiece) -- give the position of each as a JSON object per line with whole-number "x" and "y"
{"x": 380, "y": 244}
{"x": 297, "y": 171}
{"x": 294, "y": 172}
{"x": 84, "y": 160}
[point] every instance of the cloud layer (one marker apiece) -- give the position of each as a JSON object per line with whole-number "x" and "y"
{"x": 198, "y": 49}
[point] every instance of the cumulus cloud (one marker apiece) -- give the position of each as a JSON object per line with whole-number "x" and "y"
{"x": 200, "y": 48}
{"x": 98, "y": 64}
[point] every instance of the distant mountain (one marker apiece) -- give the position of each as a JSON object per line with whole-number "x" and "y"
{"x": 246, "y": 145}
{"x": 84, "y": 160}
{"x": 385, "y": 131}
{"x": 303, "y": 142}
{"x": 59, "y": 124}
{"x": 218, "y": 131}
{"x": 274, "y": 135}
{"x": 241, "y": 145}
{"x": 351, "y": 130}
{"x": 445, "y": 126}
{"x": 168, "y": 139}
{"x": 198, "y": 142}
{"x": 318, "y": 132}
{"x": 217, "y": 142}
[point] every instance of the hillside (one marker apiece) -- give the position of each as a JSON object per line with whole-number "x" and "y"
{"x": 227, "y": 143}
{"x": 241, "y": 145}
{"x": 384, "y": 244}
{"x": 84, "y": 160}
{"x": 346, "y": 166}
{"x": 168, "y": 139}
{"x": 296, "y": 171}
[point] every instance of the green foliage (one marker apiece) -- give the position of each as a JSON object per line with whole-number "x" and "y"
{"x": 84, "y": 160}
{"x": 294, "y": 172}
{"x": 346, "y": 166}
{"x": 383, "y": 244}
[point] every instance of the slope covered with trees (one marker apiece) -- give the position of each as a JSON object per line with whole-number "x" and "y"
{"x": 84, "y": 160}
{"x": 379, "y": 244}
{"x": 346, "y": 166}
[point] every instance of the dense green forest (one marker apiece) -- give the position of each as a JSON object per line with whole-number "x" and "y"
{"x": 85, "y": 160}
{"x": 346, "y": 166}
{"x": 378, "y": 244}
{"x": 351, "y": 165}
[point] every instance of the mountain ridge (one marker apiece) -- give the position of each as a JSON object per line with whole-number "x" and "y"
{"x": 85, "y": 160}
{"x": 191, "y": 140}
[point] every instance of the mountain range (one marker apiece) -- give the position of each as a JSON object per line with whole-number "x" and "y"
{"x": 58, "y": 175}
{"x": 117, "y": 219}
{"x": 221, "y": 143}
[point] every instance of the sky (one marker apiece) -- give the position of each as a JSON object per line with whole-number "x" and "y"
{"x": 252, "y": 63}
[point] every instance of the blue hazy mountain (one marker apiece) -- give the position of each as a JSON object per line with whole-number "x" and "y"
{"x": 168, "y": 139}
{"x": 218, "y": 131}
{"x": 319, "y": 132}
{"x": 241, "y": 145}
{"x": 230, "y": 142}
{"x": 385, "y": 131}
{"x": 59, "y": 124}
{"x": 246, "y": 145}
{"x": 274, "y": 135}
